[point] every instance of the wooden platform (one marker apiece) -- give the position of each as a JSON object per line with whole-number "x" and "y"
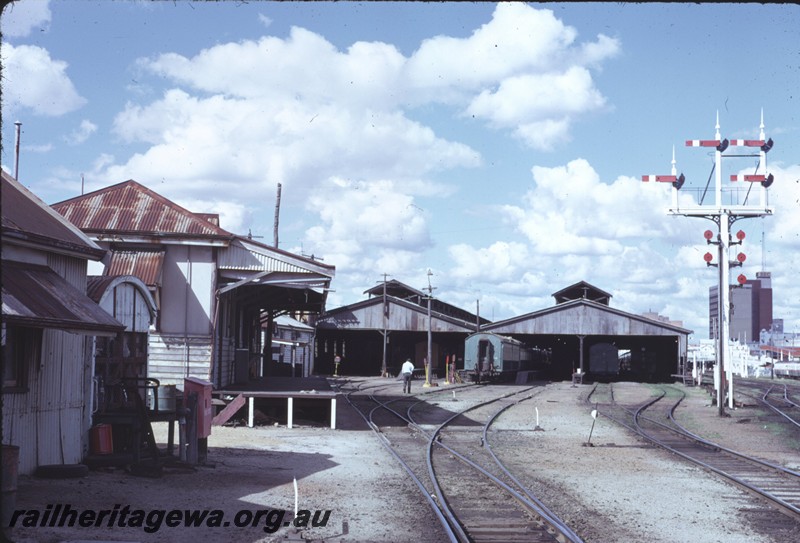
{"x": 306, "y": 388}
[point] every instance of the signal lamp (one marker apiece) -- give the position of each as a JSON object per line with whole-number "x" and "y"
{"x": 742, "y": 279}
{"x": 678, "y": 183}
{"x": 741, "y": 257}
{"x": 723, "y": 145}
{"x": 767, "y": 145}
{"x": 708, "y": 234}
{"x": 740, "y": 235}
{"x": 708, "y": 257}
{"x": 768, "y": 181}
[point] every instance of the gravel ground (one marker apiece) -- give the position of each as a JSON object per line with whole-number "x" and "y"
{"x": 619, "y": 489}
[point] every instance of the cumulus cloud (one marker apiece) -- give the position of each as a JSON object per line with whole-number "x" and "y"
{"x": 35, "y": 81}
{"x": 572, "y": 226}
{"x": 338, "y": 127}
{"x": 366, "y": 224}
{"x": 82, "y": 133}
{"x": 20, "y": 18}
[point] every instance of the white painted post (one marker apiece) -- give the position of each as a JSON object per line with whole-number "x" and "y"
{"x": 333, "y": 413}
{"x": 290, "y": 413}
{"x": 250, "y": 408}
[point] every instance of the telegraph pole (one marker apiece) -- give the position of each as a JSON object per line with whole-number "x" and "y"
{"x": 428, "y": 361}
{"x": 724, "y": 215}
{"x": 385, "y": 333}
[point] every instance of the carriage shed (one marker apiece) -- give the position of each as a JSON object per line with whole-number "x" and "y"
{"x": 356, "y": 332}
{"x": 583, "y": 332}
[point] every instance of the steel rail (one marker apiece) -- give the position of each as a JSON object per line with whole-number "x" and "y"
{"x": 525, "y": 498}
{"x": 685, "y": 434}
{"x": 765, "y": 401}
{"x": 451, "y": 535}
{"x": 543, "y": 510}
{"x": 429, "y": 459}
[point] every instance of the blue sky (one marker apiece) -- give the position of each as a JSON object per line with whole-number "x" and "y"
{"x": 499, "y": 146}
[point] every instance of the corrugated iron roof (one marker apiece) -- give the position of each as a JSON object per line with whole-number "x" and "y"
{"x": 130, "y": 207}
{"x": 26, "y": 218}
{"x": 582, "y": 289}
{"x": 144, "y": 264}
{"x": 37, "y": 296}
{"x": 96, "y": 285}
{"x": 247, "y": 255}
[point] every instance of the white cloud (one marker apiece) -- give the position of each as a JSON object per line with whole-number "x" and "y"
{"x": 33, "y": 80}
{"x": 573, "y": 226}
{"x": 367, "y": 224}
{"x": 264, "y": 20}
{"x": 521, "y": 71}
{"x": 82, "y": 133}
{"x": 21, "y": 17}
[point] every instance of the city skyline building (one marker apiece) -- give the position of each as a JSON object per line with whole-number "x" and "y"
{"x": 751, "y": 308}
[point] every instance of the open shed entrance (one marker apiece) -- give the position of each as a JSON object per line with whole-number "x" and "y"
{"x": 650, "y": 359}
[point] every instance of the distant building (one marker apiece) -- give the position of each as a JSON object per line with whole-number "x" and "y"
{"x": 751, "y": 308}
{"x": 661, "y": 318}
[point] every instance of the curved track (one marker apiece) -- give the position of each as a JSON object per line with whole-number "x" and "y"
{"x": 779, "y": 487}
{"x": 434, "y": 437}
{"x": 779, "y": 398}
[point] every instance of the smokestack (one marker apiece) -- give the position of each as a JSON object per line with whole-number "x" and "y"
{"x": 16, "y": 151}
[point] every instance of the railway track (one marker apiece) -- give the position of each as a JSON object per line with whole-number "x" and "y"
{"x": 443, "y": 446}
{"x": 651, "y": 415}
{"x": 780, "y": 399}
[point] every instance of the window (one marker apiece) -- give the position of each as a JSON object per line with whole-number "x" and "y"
{"x": 21, "y": 348}
{"x": 121, "y": 357}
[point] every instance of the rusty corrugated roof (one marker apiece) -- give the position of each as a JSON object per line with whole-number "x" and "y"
{"x": 144, "y": 264}
{"x": 132, "y": 208}
{"x": 27, "y": 218}
{"x": 39, "y": 297}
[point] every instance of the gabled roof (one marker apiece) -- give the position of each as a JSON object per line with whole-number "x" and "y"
{"x": 582, "y": 289}
{"x": 401, "y": 315}
{"x": 27, "y": 220}
{"x": 288, "y": 322}
{"x": 583, "y": 316}
{"x": 131, "y": 208}
{"x": 395, "y": 288}
{"x": 402, "y": 291}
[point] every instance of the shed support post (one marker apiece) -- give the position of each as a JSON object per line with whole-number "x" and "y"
{"x": 580, "y": 354}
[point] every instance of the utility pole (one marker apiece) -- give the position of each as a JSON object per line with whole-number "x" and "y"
{"x": 277, "y": 215}
{"x": 385, "y": 333}
{"x": 18, "y": 127}
{"x": 724, "y": 215}
{"x": 428, "y": 360}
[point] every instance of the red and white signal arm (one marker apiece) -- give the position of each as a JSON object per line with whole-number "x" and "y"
{"x": 742, "y": 279}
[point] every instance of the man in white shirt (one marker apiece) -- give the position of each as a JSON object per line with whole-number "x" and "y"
{"x": 407, "y": 370}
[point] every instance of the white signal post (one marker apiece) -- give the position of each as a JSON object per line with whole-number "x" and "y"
{"x": 724, "y": 215}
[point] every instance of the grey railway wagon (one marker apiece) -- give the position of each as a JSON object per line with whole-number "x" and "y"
{"x": 492, "y": 355}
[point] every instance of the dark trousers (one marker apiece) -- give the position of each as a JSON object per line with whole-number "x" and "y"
{"x": 407, "y": 382}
